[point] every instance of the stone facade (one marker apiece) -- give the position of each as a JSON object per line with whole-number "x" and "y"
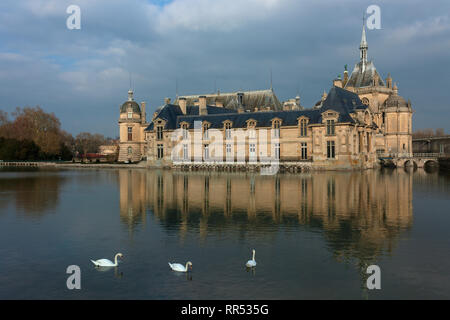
{"x": 360, "y": 116}
{"x": 340, "y": 135}
{"x": 132, "y": 124}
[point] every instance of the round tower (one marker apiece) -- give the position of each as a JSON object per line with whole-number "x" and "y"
{"x": 130, "y": 133}
{"x": 398, "y": 123}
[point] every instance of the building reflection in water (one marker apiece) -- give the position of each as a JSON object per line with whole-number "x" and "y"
{"x": 360, "y": 214}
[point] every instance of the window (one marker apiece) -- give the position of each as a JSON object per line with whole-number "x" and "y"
{"x": 160, "y": 153}
{"x": 276, "y": 129}
{"x": 185, "y": 131}
{"x": 330, "y": 150}
{"x": 252, "y": 149}
{"x": 303, "y": 124}
{"x": 228, "y": 148}
{"x": 205, "y": 131}
{"x": 227, "y": 130}
{"x": 130, "y": 115}
{"x": 130, "y": 133}
{"x": 206, "y": 152}
{"x": 185, "y": 152}
{"x": 159, "y": 133}
{"x": 277, "y": 151}
{"x": 304, "y": 151}
{"x": 130, "y": 150}
{"x": 330, "y": 128}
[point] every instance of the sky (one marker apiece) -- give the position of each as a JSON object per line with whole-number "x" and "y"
{"x": 201, "y": 45}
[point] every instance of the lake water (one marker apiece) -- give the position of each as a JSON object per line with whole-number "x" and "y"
{"x": 315, "y": 234}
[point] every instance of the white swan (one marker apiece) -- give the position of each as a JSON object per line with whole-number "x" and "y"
{"x": 179, "y": 267}
{"x": 251, "y": 263}
{"x": 106, "y": 262}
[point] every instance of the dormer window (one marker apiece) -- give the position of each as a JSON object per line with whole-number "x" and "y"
{"x": 251, "y": 124}
{"x": 331, "y": 128}
{"x": 276, "y": 124}
{"x": 303, "y": 126}
{"x": 159, "y": 133}
{"x": 227, "y": 130}
{"x": 184, "y": 127}
{"x": 205, "y": 131}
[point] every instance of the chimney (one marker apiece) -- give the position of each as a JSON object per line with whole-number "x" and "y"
{"x": 143, "y": 114}
{"x": 202, "y": 105}
{"x": 389, "y": 81}
{"x": 166, "y": 100}
{"x": 182, "y": 104}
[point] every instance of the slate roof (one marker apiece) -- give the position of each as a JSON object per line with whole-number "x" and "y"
{"x": 359, "y": 79}
{"x": 134, "y": 106}
{"x": 338, "y": 99}
{"x": 251, "y": 100}
{"x": 170, "y": 113}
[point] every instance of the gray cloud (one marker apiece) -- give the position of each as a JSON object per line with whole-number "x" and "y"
{"x": 83, "y": 75}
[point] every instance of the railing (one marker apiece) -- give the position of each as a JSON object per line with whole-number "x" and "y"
{"x": 410, "y": 155}
{"x": 428, "y": 155}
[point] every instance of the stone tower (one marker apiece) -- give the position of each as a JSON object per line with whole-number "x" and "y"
{"x": 131, "y": 130}
{"x": 391, "y": 113}
{"x": 398, "y": 123}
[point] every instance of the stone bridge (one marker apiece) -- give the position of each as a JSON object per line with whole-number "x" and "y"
{"x": 418, "y": 160}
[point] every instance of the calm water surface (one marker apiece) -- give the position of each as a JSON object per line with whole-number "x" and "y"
{"x": 314, "y": 234}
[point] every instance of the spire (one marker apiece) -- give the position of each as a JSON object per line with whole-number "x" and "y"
{"x": 271, "y": 87}
{"x": 130, "y": 92}
{"x": 363, "y": 46}
{"x": 130, "y": 95}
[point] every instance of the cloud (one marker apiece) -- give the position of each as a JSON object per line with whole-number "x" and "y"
{"x": 219, "y": 15}
{"x": 203, "y": 44}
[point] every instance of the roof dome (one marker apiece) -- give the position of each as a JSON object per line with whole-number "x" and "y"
{"x": 130, "y": 104}
{"x": 396, "y": 101}
{"x": 134, "y": 107}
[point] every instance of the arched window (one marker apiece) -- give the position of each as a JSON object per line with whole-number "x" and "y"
{"x": 130, "y": 150}
{"x": 276, "y": 128}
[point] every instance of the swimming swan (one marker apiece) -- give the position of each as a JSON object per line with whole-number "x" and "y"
{"x": 251, "y": 263}
{"x": 179, "y": 267}
{"x": 106, "y": 262}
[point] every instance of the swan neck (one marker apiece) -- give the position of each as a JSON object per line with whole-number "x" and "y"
{"x": 253, "y": 255}
{"x": 186, "y": 268}
{"x": 115, "y": 259}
